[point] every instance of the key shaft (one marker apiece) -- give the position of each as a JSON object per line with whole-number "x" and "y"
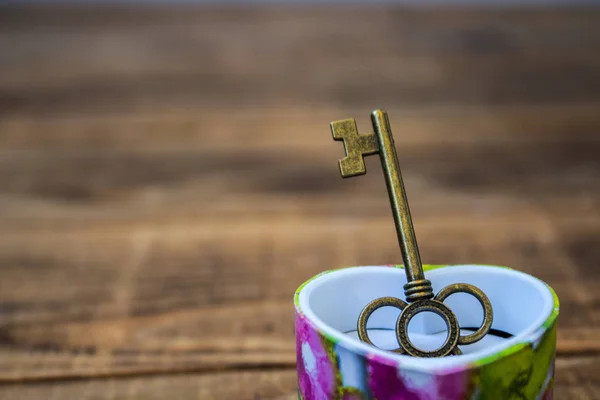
{"x": 397, "y": 195}
{"x": 357, "y": 147}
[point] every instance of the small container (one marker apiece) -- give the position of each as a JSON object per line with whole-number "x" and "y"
{"x": 515, "y": 360}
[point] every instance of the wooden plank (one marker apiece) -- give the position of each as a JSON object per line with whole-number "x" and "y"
{"x": 257, "y": 335}
{"x": 275, "y": 384}
{"x": 138, "y": 300}
{"x": 68, "y": 185}
{"x": 279, "y": 255}
{"x": 575, "y": 380}
{"x": 348, "y": 58}
{"x": 289, "y": 128}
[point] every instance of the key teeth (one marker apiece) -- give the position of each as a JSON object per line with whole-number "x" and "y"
{"x": 340, "y": 127}
{"x": 350, "y": 168}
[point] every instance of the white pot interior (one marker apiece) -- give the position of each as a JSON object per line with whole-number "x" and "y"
{"x": 520, "y": 303}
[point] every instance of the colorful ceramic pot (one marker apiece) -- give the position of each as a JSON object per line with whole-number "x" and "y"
{"x": 333, "y": 364}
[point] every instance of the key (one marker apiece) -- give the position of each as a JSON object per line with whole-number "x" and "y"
{"x": 417, "y": 291}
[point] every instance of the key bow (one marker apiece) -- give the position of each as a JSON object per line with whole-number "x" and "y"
{"x": 437, "y": 306}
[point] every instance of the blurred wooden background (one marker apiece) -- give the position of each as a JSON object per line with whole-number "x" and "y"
{"x": 168, "y": 178}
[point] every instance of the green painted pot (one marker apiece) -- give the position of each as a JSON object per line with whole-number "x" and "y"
{"x": 333, "y": 364}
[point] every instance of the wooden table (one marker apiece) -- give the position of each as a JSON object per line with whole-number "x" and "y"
{"x": 168, "y": 178}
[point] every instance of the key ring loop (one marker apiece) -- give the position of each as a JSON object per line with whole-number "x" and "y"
{"x": 483, "y": 300}
{"x": 437, "y": 307}
{"x": 370, "y": 309}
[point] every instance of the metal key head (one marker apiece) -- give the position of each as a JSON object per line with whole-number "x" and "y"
{"x": 356, "y": 145}
{"x": 437, "y": 306}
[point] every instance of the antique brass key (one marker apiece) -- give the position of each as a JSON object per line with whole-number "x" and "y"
{"x": 417, "y": 291}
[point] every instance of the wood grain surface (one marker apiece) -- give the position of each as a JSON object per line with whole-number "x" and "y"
{"x": 168, "y": 178}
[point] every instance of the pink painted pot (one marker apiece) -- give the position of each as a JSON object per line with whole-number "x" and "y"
{"x": 333, "y": 364}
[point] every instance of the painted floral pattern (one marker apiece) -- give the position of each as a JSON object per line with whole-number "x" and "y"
{"x": 386, "y": 382}
{"x": 352, "y": 394}
{"x": 316, "y": 372}
{"x": 456, "y": 385}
